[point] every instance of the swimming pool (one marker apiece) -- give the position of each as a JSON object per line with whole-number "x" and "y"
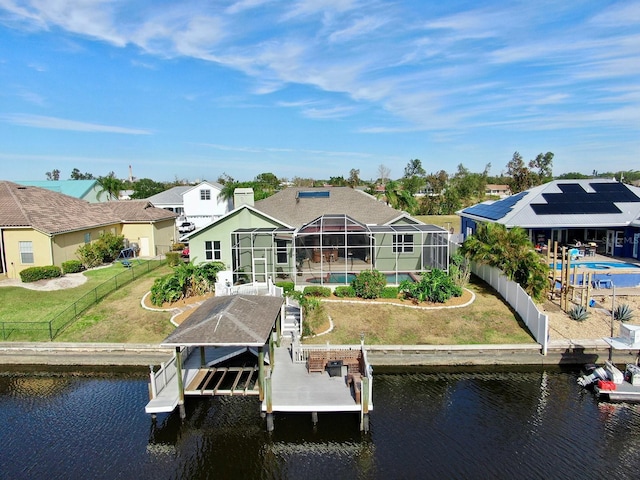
{"x": 349, "y": 277}
{"x": 599, "y": 265}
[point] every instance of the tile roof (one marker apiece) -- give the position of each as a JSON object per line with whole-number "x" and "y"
{"x": 53, "y": 213}
{"x": 243, "y": 320}
{"x": 294, "y": 208}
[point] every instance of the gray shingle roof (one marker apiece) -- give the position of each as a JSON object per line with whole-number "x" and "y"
{"x": 52, "y": 212}
{"x": 243, "y": 320}
{"x": 295, "y": 210}
{"x": 172, "y": 196}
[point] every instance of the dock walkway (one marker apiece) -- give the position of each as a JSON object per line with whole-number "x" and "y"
{"x": 296, "y": 390}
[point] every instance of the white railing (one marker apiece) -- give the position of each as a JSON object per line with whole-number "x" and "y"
{"x": 161, "y": 378}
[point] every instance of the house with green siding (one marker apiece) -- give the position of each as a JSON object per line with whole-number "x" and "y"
{"x": 319, "y": 236}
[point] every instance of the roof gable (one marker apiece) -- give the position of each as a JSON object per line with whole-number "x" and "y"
{"x": 297, "y": 206}
{"x": 243, "y": 320}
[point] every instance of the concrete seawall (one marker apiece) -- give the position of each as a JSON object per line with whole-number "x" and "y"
{"x": 569, "y": 352}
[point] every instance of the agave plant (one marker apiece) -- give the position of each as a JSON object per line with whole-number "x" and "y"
{"x": 623, "y": 312}
{"x": 578, "y": 313}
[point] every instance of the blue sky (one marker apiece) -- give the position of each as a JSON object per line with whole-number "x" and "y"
{"x": 313, "y": 88}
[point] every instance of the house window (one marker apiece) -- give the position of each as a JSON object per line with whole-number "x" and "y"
{"x": 205, "y": 194}
{"x": 281, "y": 251}
{"x": 26, "y": 252}
{"x": 212, "y": 250}
{"x": 402, "y": 243}
{"x": 87, "y": 238}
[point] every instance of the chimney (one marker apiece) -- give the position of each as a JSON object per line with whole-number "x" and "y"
{"x": 130, "y": 174}
{"x": 242, "y": 196}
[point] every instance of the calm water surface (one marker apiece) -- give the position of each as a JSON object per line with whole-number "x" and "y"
{"x": 476, "y": 424}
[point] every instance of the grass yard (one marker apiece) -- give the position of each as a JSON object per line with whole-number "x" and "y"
{"x": 487, "y": 320}
{"x": 120, "y": 318}
{"x": 18, "y": 304}
{"x": 444, "y": 221}
{"x": 21, "y": 305}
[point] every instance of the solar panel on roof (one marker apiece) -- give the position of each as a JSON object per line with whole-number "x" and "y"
{"x": 574, "y": 200}
{"x": 495, "y": 210}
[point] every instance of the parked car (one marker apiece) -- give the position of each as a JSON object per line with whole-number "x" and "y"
{"x": 185, "y": 252}
{"x": 186, "y": 227}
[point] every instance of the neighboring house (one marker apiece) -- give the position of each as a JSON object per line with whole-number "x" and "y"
{"x": 88, "y": 190}
{"x": 601, "y": 212}
{"x": 40, "y": 227}
{"x": 495, "y": 190}
{"x": 318, "y": 236}
{"x": 200, "y": 204}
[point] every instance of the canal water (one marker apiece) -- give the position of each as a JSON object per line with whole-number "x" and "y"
{"x": 474, "y": 424}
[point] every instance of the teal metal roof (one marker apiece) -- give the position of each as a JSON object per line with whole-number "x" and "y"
{"x": 73, "y": 188}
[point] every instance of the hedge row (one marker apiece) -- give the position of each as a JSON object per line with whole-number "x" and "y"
{"x": 33, "y": 274}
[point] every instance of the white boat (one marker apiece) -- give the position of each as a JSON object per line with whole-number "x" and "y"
{"x": 610, "y": 383}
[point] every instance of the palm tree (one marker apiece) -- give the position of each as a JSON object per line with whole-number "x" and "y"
{"x": 109, "y": 185}
{"x": 512, "y": 252}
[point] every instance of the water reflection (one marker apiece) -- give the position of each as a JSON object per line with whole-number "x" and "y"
{"x": 454, "y": 424}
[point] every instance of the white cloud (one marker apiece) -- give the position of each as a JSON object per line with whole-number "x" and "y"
{"x": 53, "y": 123}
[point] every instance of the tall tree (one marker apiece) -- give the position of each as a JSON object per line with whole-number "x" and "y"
{"x": 521, "y": 177}
{"x": 384, "y": 173}
{"x": 77, "y": 175}
{"x": 111, "y": 185}
{"x": 354, "y": 178}
{"x": 399, "y": 198}
{"x": 413, "y": 168}
{"x": 53, "y": 174}
{"x": 145, "y": 188}
{"x": 543, "y": 163}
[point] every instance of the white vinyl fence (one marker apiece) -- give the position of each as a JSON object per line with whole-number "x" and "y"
{"x": 536, "y": 321}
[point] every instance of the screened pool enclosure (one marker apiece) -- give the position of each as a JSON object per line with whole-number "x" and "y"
{"x": 332, "y": 249}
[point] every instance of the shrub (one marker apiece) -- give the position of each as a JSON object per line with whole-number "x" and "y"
{"x": 434, "y": 286}
{"x": 459, "y": 270}
{"x": 389, "y": 292}
{"x": 623, "y": 313}
{"x": 166, "y": 289}
{"x": 186, "y": 280}
{"x": 344, "y": 291}
{"x": 177, "y": 247}
{"x": 104, "y": 250}
{"x": 173, "y": 258}
{"x": 72, "y": 266}
{"x": 33, "y": 274}
{"x": 89, "y": 256}
{"x": 286, "y": 286}
{"x": 369, "y": 283}
{"x": 578, "y": 313}
{"x": 316, "y": 291}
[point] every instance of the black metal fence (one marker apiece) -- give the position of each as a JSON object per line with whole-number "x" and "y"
{"x": 50, "y": 329}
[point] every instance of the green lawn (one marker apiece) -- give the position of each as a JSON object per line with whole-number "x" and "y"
{"x": 18, "y": 304}
{"x": 444, "y": 221}
{"x": 34, "y": 309}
